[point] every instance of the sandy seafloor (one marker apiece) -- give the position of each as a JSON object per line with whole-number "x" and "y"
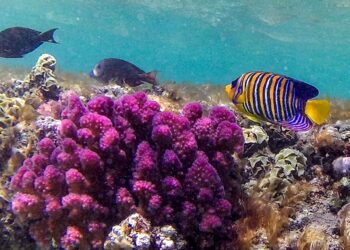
{"x": 298, "y": 208}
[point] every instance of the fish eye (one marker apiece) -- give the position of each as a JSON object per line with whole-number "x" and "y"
{"x": 97, "y": 70}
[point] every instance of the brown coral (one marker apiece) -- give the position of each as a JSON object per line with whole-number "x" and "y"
{"x": 313, "y": 238}
{"x": 264, "y": 217}
{"x": 344, "y": 223}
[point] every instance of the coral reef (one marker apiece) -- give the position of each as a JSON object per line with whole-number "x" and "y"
{"x": 278, "y": 178}
{"x": 116, "y": 157}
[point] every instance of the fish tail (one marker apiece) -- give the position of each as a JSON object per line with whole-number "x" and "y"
{"x": 317, "y": 110}
{"x": 48, "y": 36}
{"x": 151, "y": 77}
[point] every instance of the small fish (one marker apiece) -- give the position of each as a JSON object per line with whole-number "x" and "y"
{"x": 113, "y": 69}
{"x": 17, "y": 41}
{"x": 278, "y": 99}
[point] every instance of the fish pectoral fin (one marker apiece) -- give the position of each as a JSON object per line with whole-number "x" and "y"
{"x": 246, "y": 114}
{"x": 149, "y": 77}
{"x": 299, "y": 122}
{"x": 252, "y": 118}
{"x": 240, "y": 99}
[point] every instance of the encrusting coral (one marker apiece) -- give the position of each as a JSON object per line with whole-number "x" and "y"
{"x": 17, "y": 111}
{"x": 15, "y": 117}
{"x": 10, "y": 111}
{"x": 114, "y": 157}
{"x": 277, "y": 173}
{"x": 255, "y": 138}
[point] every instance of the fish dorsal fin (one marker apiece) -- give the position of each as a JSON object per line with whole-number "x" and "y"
{"x": 299, "y": 122}
{"x": 304, "y": 90}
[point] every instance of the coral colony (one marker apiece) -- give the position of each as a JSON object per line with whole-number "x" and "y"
{"x": 115, "y": 157}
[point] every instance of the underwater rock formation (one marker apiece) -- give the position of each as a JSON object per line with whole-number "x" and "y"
{"x": 331, "y": 148}
{"x": 40, "y": 84}
{"x": 341, "y": 166}
{"x": 132, "y": 233}
{"x": 114, "y": 157}
{"x": 344, "y": 223}
{"x": 136, "y": 232}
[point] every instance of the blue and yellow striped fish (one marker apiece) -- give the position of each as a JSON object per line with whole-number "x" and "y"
{"x": 278, "y": 99}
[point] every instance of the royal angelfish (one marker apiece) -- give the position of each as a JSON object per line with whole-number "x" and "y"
{"x": 278, "y": 99}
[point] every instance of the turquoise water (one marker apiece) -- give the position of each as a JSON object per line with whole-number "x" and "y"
{"x": 195, "y": 41}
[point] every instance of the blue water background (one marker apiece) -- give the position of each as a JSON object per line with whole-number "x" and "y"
{"x": 195, "y": 41}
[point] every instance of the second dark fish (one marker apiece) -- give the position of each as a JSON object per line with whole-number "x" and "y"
{"x": 120, "y": 71}
{"x": 18, "y": 41}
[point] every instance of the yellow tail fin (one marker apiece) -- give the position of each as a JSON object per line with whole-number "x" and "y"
{"x": 317, "y": 110}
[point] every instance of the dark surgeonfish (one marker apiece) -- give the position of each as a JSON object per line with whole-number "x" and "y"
{"x": 278, "y": 99}
{"x": 120, "y": 71}
{"x": 18, "y": 41}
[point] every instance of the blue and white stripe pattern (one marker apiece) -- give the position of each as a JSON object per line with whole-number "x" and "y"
{"x": 273, "y": 98}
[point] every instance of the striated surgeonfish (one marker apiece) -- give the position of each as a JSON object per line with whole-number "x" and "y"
{"x": 18, "y": 41}
{"x": 278, "y": 99}
{"x": 120, "y": 71}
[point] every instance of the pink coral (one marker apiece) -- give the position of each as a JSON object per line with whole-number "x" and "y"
{"x": 67, "y": 129}
{"x": 73, "y": 239}
{"x": 114, "y": 157}
{"x": 192, "y": 111}
{"x": 101, "y": 105}
{"x": 27, "y": 206}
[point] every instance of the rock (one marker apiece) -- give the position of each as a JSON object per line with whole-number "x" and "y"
{"x": 167, "y": 238}
{"x": 136, "y": 232}
{"x": 341, "y": 166}
{"x": 132, "y": 233}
